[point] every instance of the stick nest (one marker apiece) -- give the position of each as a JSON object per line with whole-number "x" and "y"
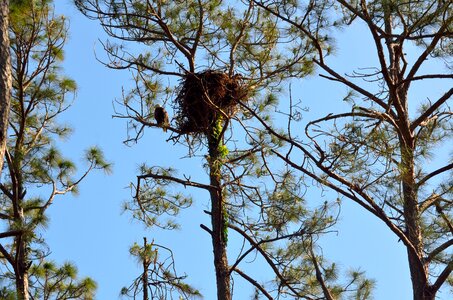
{"x": 204, "y": 97}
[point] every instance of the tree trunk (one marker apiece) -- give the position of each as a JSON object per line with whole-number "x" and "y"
{"x": 398, "y": 94}
{"x": 6, "y": 79}
{"x": 218, "y": 219}
{"x": 22, "y": 287}
{"x": 417, "y": 266}
{"x": 145, "y": 271}
{"x": 22, "y": 266}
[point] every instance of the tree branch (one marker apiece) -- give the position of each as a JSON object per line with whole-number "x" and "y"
{"x": 428, "y": 76}
{"x": 339, "y": 78}
{"x": 431, "y": 109}
{"x": 434, "y": 173}
{"x": 268, "y": 260}
{"x": 7, "y": 256}
{"x": 185, "y": 182}
{"x": 6, "y": 192}
{"x": 205, "y": 228}
{"x": 368, "y": 203}
{"x": 442, "y": 277}
{"x": 443, "y": 216}
{"x": 254, "y": 283}
{"x": 437, "y": 37}
{"x": 438, "y": 250}
{"x": 10, "y": 233}
{"x": 319, "y": 277}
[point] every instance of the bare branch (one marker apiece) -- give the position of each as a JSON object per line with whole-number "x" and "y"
{"x": 268, "y": 260}
{"x": 434, "y": 173}
{"x": 254, "y": 283}
{"x": 431, "y": 109}
{"x": 8, "y": 257}
{"x": 353, "y": 86}
{"x": 10, "y": 233}
{"x": 185, "y": 183}
{"x": 438, "y": 250}
{"x": 442, "y": 277}
{"x": 435, "y": 40}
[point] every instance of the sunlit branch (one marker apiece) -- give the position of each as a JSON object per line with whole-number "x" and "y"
{"x": 199, "y": 30}
{"x": 241, "y": 33}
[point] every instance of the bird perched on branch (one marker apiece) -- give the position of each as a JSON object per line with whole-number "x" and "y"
{"x": 161, "y": 116}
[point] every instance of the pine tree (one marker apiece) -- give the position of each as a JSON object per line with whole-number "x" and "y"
{"x": 49, "y": 281}
{"x": 5, "y": 77}
{"x": 220, "y": 59}
{"x": 36, "y": 172}
{"x": 379, "y": 154}
{"x": 158, "y": 279}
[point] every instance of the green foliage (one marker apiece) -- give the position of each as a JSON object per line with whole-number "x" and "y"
{"x": 175, "y": 39}
{"x": 7, "y": 291}
{"x": 146, "y": 253}
{"x": 37, "y": 171}
{"x": 383, "y": 152}
{"x": 233, "y": 37}
{"x": 157, "y": 198}
{"x": 50, "y": 281}
{"x": 161, "y": 280}
{"x": 95, "y": 156}
{"x": 7, "y": 294}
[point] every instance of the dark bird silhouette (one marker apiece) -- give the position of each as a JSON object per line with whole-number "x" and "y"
{"x": 161, "y": 116}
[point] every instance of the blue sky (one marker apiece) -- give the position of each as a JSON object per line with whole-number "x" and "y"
{"x": 90, "y": 229}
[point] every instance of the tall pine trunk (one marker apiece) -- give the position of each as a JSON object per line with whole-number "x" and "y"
{"x": 146, "y": 264}
{"x": 21, "y": 268}
{"x": 218, "y": 213}
{"x": 22, "y": 286}
{"x": 6, "y": 79}
{"x": 411, "y": 210}
{"x": 417, "y": 266}
{"x": 398, "y": 93}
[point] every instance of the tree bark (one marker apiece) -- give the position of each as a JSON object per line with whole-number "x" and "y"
{"x": 6, "y": 79}
{"x": 145, "y": 271}
{"x": 218, "y": 220}
{"x": 21, "y": 268}
{"x": 22, "y": 287}
{"x": 417, "y": 266}
{"x": 398, "y": 94}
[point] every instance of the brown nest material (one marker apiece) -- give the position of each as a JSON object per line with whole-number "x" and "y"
{"x": 204, "y": 96}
